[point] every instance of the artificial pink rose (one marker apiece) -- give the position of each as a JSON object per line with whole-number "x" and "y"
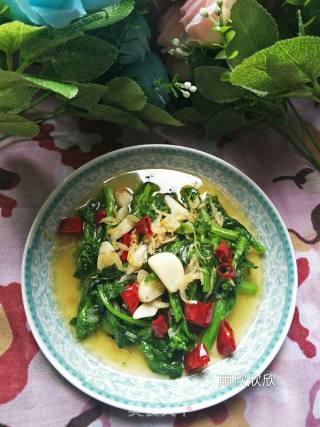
{"x": 198, "y": 28}
{"x": 186, "y": 22}
{"x": 170, "y": 26}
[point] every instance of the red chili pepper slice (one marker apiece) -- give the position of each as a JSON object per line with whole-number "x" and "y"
{"x": 70, "y": 225}
{"x": 225, "y": 343}
{"x": 130, "y": 297}
{"x": 198, "y": 313}
{"x": 159, "y": 326}
{"x": 196, "y": 359}
{"x": 226, "y": 271}
{"x": 126, "y": 240}
{"x": 144, "y": 226}
{"x": 101, "y": 213}
{"x": 223, "y": 252}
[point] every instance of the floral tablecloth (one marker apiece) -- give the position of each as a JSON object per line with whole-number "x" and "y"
{"x": 33, "y": 394}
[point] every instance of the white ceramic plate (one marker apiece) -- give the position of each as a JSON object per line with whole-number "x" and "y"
{"x": 255, "y": 351}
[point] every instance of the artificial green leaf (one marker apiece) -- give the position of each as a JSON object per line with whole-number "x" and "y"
{"x": 151, "y": 113}
{"x": 210, "y": 85}
{"x": 205, "y": 107}
{"x": 285, "y": 66}
{"x": 104, "y": 18}
{"x": 89, "y": 94}
{"x": 111, "y": 114}
{"x": 65, "y": 89}
{"x": 10, "y": 79}
{"x": 189, "y": 115}
{"x": 255, "y": 29}
{"x": 224, "y": 122}
{"x": 12, "y": 34}
{"x": 125, "y": 93}
{"x": 84, "y": 59}
{"x": 13, "y": 124}
{"x": 37, "y": 44}
{"x": 15, "y": 99}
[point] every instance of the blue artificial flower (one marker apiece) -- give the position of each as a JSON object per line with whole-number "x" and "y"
{"x": 56, "y": 13}
{"x": 146, "y": 74}
{"x": 135, "y": 45}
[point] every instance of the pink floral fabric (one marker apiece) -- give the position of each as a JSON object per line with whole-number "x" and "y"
{"x": 33, "y": 394}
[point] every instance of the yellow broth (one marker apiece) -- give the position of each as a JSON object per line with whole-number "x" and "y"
{"x": 66, "y": 286}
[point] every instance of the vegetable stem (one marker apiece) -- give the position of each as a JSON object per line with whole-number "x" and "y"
{"x": 212, "y": 331}
{"x": 109, "y": 201}
{"x": 119, "y": 314}
{"x": 224, "y": 233}
{"x": 175, "y": 306}
{"x": 247, "y": 288}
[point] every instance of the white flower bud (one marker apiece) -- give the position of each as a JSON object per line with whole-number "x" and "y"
{"x": 186, "y": 85}
{"x": 193, "y": 89}
{"x": 217, "y": 10}
{"x": 179, "y": 51}
{"x": 204, "y": 12}
{"x": 175, "y": 42}
{"x": 220, "y": 2}
{"x": 185, "y": 94}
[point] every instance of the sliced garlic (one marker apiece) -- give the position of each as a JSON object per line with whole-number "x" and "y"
{"x": 108, "y": 257}
{"x": 124, "y": 227}
{"x": 168, "y": 268}
{"x": 137, "y": 255}
{"x": 171, "y": 223}
{"x": 219, "y": 218}
{"x": 149, "y": 309}
{"x": 142, "y": 274}
{"x": 145, "y": 310}
{"x": 149, "y": 291}
{"x": 122, "y": 213}
{"x": 174, "y": 206}
{"x": 123, "y": 197}
{"x": 160, "y": 304}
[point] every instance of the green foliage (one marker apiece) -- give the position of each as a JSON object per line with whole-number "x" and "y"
{"x": 142, "y": 202}
{"x": 180, "y": 248}
{"x": 105, "y": 18}
{"x": 125, "y": 93}
{"x": 65, "y": 89}
{"x": 89, "y": 94}
{"x": 224, "y": 122}
{"x": 284, "y": 67}
{"x": 254, "y": 27}
{"x": 88, "y": 316}
{"x": 17, "y": 125}
{"x": 15, "y": 99}
{"x": 210, "y": 85}
{"x": 83, "y": 59}
{"x": 111, "y": 114}
{"x": 188, "y": 115}
{"x": 14, "y": 34}
{"x": 153, "y": 114}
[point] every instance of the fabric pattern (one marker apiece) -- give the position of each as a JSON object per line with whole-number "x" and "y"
{"x": 32, "y": 393}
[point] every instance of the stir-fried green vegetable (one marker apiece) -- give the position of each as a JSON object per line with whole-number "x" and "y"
{"x": 160, "y": 272}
